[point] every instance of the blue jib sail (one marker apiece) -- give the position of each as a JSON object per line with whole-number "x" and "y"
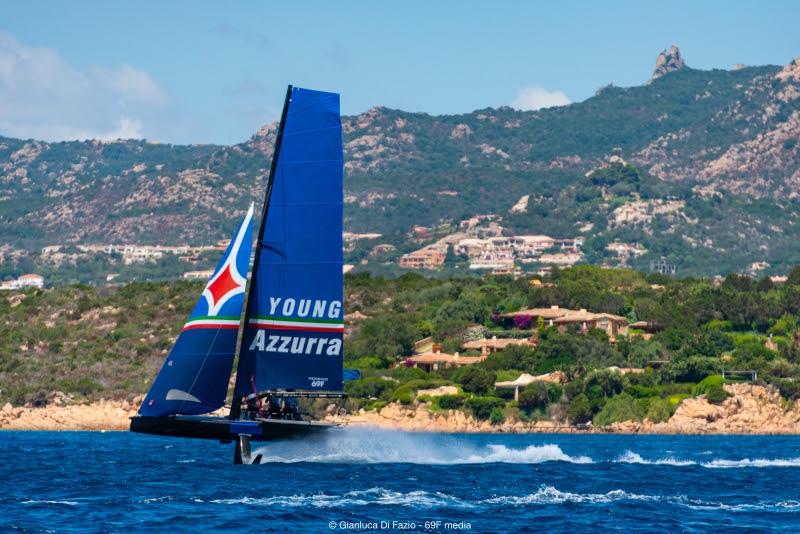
{"x": 294, "y": 333}
{"x": 194, "y": 377}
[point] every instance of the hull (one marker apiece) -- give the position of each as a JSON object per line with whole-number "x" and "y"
{"x": 225, "y": 429}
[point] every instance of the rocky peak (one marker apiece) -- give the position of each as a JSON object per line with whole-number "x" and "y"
{"x": 668, "y": 61}
{"x": 790, "y": 71}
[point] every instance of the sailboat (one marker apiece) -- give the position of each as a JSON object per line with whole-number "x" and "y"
{"x": 283, "y": 324}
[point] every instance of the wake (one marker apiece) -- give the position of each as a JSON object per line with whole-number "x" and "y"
{"x": 379, "y": 446}
{"x": 370, "y": 446}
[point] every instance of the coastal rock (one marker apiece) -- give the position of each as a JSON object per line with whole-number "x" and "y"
{"x": 668, "y": 61}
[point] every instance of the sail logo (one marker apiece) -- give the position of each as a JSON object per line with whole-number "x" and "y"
{"x": 226, "y": 284}
{"x": 228, "y": 281}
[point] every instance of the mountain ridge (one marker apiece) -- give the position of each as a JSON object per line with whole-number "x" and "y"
{"x": 722, "y": 141}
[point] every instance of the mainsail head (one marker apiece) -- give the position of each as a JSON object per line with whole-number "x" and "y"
{"x": 194, "y": 377}
{"x": 293, "y": 336}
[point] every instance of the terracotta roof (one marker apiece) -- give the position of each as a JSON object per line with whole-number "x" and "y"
{"x": 443, "y": 357}
{"x": 495, "y": 343}
{"x": 547, "y": 313}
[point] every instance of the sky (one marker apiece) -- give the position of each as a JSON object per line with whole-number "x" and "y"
{"x": 215, "y": 72}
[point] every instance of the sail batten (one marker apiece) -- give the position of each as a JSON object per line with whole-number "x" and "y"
{"x": 293, "y": 329}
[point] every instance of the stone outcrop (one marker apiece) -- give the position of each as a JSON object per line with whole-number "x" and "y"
{"x": 101, "y": 415}
{"x": 750, "y": 409}
{"x": 668, "y": 61}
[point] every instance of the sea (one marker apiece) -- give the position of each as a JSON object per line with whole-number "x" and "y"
{"x": 364, "y": 480}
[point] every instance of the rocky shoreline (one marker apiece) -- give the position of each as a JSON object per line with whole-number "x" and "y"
{"x": 751, "y": 409}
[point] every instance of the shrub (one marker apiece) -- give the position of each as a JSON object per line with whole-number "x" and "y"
{"x": 790, "y": 389}
{"x": 623, "y": 407}
{"x": 609, "y": 382}
{"x": 366, "y": 362}
{"x": 369, "y": 387}
{"x": 475, "y": 380}
{"x": 403, "y": 395}
{"x": 579, "y": 410}
{"x": 716, "y": 394}
{"x": 538, "y": 395}
{"x": 708, "y": 382}
{"x": 522, "y": 322}
{"x": 497, "y": 416}
{"x": 658, "y": 410}
{"x": 482, "y": 407}
{"x": 450, "y": 402}
{"x": 675, "y": 400}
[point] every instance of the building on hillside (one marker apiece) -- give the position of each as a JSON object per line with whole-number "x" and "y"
{"x": 426, "y": 258}
{"x": 23, "y": 282}
{"x": 548, "y": 315}
{"x": 613, "y": 325}
{"x": 432, "y": 361}
{"x": 198, "y": 275}
{"x": 382, "y": 248}
{"x": 488, "y": 346}
{"x": 561, "y": 258}
{"x": 626, "y": 250}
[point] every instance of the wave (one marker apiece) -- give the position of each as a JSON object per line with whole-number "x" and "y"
{"x": 370, "y": 497}
{"x": 67, "y": 503}
{"x": 630, "y": 457}
{"x": 551, "y": 495}
{"x": 378, "y": 446}
{"x": 544, "y": 496}
{"x": 758, "y": 462}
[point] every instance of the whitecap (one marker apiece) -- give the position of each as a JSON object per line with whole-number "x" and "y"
{"x": 630, "y": 457}
{"x": 68, "y": 503}
{"x": 758, "y": 462}
{"x": 369, "y": 497}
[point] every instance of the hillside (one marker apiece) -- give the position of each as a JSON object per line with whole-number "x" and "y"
{"x": 720, "y": 145}
{"x": 90, "y": 343}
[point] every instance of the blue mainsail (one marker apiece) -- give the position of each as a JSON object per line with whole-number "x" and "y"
{"x": 194, "y": 377}
{"x": 293, "y": 334}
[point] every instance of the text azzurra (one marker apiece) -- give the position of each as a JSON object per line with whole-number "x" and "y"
{"x": 296, "y": 344}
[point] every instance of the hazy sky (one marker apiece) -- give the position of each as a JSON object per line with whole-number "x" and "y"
{"x": 214, "y": 72}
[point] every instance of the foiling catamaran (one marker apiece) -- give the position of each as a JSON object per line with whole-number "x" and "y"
{"x": 284, "y": 326}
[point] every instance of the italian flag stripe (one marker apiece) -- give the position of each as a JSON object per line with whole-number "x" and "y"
{"x": 294, "y": 324}
{"x": 214, "y": 323}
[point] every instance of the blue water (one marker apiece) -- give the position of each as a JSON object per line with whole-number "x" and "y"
{"x": 121, "y": 482}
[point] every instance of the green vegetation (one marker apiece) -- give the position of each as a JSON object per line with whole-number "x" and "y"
{"x": 110, "y": 342}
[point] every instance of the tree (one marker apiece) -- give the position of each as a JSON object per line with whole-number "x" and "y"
{"x": 579, "y": 410}
{"x": 538, "y": 395}
{"x": 475, "y": 380}
{"x": 793, "y": 279}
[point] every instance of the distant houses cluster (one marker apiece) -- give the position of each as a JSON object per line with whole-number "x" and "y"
{"x": 481, "y": 240}
{"x": 132, "y": 254}
{"x": 428, "y": 354}
{"x": 23, "y": 282}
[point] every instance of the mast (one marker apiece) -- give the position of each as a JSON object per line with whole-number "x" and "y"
{"x": 235, "y": 403}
